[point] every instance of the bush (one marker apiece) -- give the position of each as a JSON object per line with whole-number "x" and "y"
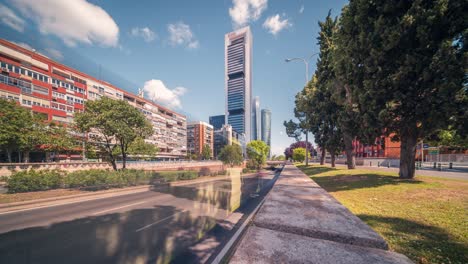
{"x": 32, "y": 180}
{"x": 204, "y": 171}
{"x": 170, "y": 176}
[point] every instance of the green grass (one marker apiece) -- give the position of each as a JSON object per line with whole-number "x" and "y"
{"x": 425, "y": 218}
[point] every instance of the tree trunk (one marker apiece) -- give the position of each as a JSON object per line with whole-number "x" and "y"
{"x": 409, "y": 140}
{"x": 19, "y": 156}
{"x": 350, "y": 154}
{"x": 307, "y": 149}
{"x": 124, "y": 156}
{"x": 322, "y": 157}
{"x": 332, "y": 153}
{"x": 26, "y": 156}
{"x": 9, "y": 154}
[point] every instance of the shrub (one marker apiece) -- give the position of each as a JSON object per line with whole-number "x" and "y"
{"x": 32, "y": 180}
{"x": 204, "y": 171}
{"x": 188, "y": 175}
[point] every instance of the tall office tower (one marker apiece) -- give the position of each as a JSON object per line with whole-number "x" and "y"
{"x": 266, "y": 128}
{"x": 238, "y": 80}
{"x": 256, "y": 124}
{"x": 217, "y": 121}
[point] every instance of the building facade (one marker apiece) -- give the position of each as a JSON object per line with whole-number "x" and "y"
{"x": 256, "y": 119}
{"x": 238, "y": 80}
{"x": 227, "y": 136}
{"x": 199, "y": 135}
{"x": 58, "y": 92}
{"x": 217, "y": 121}
{"x": 266, "y": 127}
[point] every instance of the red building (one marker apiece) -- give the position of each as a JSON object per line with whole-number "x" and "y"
{"x": 383, "y": 148}
{"x": 58, "y": 92}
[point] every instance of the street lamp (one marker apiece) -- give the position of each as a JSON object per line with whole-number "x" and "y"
{"x": 306, "y": 62}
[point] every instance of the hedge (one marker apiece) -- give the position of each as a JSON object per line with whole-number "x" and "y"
{"x": 32, "y": 180}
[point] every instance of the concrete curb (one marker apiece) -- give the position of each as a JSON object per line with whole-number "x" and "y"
{"x": 298, "y": 209}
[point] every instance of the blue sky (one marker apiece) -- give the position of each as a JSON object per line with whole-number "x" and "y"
{"x": 175, "y": 49}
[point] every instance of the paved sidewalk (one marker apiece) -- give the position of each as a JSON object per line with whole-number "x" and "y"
{"x": 300, "y": 222}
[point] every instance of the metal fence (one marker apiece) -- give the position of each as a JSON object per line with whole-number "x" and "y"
{"x": 459, "y": 158}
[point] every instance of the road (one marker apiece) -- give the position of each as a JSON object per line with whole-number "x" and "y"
{"x": 152, "y": 226}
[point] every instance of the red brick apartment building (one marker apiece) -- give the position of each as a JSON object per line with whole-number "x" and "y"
{"x": 199, "y": 135}
{"x": 57, "y": 91}
{"x": 383, "y": 148}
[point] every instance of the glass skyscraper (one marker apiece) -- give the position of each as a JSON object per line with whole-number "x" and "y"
{"x": 238, "y": 80}
{"x": 217, "y": 121}
{"x": 256, "y": 118}
{"x": 266, "y": 127}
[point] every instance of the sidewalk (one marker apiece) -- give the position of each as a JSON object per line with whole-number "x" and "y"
{"x": 300, "y": 222}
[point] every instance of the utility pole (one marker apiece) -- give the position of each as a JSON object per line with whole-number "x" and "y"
{"x": 306, "y": 131}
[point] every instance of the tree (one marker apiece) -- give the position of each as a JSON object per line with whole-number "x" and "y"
{"x": 114, "y": 123}
{"x": 257, "y": 151}
{"x": 34, "y": 137}
{"x": 231, "y": 155}
{"x": 59, "y": 139}
{"x": 15, "y": 122}
{"x": 292, "y": 129}
{"x": 300, "y": 144}
{"x": 206, "y": 152}
{"x": 404, "y": 64}
{"x": 140, "y": 147}
{"x": 299, "y": 154}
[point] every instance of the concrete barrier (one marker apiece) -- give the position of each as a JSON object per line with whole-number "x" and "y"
{"x": 300, "y": 222}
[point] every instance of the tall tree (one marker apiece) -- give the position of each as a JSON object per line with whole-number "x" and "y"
{"x": 114, "y": 123}
{"x": 257, "y": 151}
{"x": 292, "y": 129}
{"x": 15, "y": 122}
{"x": 404, "y": 62}
{"x": 140, "y": 147}
{"x": 231, "y": 155}
{"x": 206, "y": 152}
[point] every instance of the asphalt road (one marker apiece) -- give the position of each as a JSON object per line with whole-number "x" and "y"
{"x": 160, "y": 225}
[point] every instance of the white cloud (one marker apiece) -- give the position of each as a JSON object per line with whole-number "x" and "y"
{"x": 156, "y": 90}
{"x": 274, "y": 24}
{"x": 301, "y": 10}
{"x": 73, "y": 21}
{"x": 147, "y": 34}
{"x": 244, "y": 11}
{"x": 9, "y": 18}
{"x": 53, "y": 53}
{"x": 180, "y": 34}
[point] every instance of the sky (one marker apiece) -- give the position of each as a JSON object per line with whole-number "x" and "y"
{"x": 174, "y": 50}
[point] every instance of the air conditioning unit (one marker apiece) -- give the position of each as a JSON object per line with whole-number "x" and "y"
{"x": 5, "y": 70}
{"x": 55, "y": 85}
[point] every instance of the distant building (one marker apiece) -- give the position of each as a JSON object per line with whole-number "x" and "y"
{"x": 256, "y": 119}
{"x": 217, "y": 121}
{"x": 238, "y": 80}
{"x": 266, "y": 127}
{"x": 227, "y": 136}
{"x": 199, "y": 134}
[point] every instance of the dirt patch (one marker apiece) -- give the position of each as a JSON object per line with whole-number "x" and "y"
{"x": 19, "y": 197}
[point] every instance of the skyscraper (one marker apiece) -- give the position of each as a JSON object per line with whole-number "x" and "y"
{"x": 217, "y": 121}
{"x": 266, "y": 127}
{"x": 256, "y": 124}
{"x": 238, "y": 80}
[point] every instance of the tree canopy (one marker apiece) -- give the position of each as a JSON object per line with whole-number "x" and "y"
{"x": 113, "y": 123}
{"x": 257, "y": 151}
{"x": 231, "y": 155}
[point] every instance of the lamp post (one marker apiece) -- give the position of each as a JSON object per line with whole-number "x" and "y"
{"x": 306, "y": 62}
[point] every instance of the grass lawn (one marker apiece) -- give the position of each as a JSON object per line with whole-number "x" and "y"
{"x": 21, "y": 197}
{"x": 425, "y": 218}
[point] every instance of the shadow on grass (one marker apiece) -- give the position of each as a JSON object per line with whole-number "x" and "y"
{"x": 313, "y": 170}
{"x": 420, "y": 242}
{"x": 346, "y": 182}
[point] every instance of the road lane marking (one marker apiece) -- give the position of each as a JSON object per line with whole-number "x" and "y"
{"x": 159, "y": 221}
{"x": 120, "y": 207}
